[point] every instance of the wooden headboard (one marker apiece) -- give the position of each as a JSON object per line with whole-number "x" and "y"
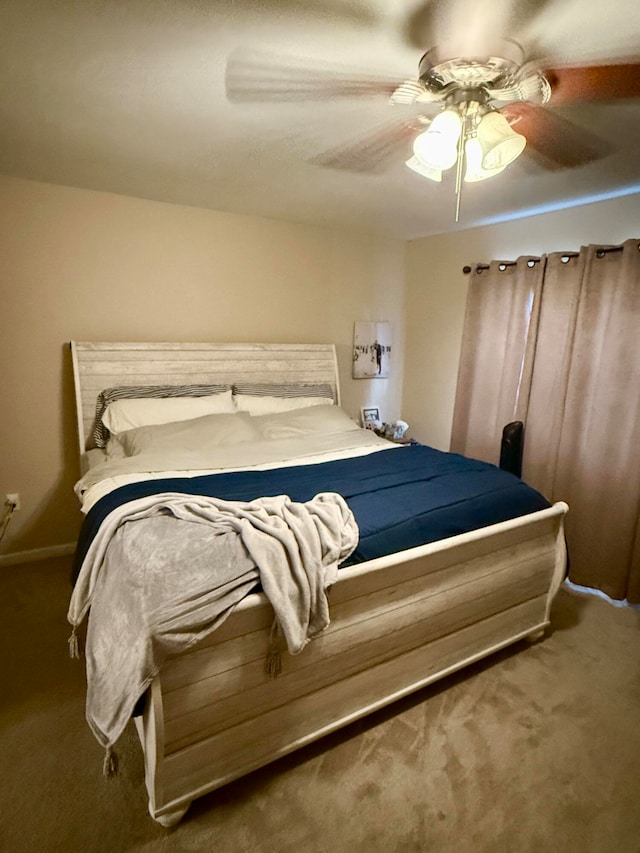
{"x": 97, "y": 366}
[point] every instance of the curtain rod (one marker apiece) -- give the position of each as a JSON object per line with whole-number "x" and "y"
{"x": 501, "y": 265}
{"x": 600, "y": 253}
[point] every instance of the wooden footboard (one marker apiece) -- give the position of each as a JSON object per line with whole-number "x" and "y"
{"x": 397, "y": 624}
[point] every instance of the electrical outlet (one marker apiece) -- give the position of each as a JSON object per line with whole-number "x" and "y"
{"x": 14, "y": 500}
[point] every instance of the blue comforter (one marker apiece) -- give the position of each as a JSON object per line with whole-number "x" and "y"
{"x": 401, "y": 498}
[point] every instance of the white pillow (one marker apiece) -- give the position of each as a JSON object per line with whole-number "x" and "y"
{"x": 313, "y": 420}
{"x": 193, "y": 436}
{"x": 266, "y": 405}
{"x": 113, "y": 448}
{"x": 122, "y": 415}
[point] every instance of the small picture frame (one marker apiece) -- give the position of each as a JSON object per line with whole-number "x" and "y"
{"x": 370, "y": 417}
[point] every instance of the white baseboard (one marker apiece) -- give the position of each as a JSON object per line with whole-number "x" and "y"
{"x": 37, "y": 554}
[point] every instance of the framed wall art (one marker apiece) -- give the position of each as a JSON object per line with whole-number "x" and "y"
{"x": 371, "y": 350}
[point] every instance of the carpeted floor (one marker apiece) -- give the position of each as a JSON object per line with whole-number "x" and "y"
{"x": 536, "y": 749}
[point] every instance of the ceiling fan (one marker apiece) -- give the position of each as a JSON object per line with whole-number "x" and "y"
{"x": 476, "y": 111}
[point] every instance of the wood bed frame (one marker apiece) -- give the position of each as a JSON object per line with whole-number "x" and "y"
{"x": 398, "y": 623}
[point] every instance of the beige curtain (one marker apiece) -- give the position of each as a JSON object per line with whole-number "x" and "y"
{"x": 564, "y": 274}
{"x": 496, "y": 359}
{"x": 582, "y": 412}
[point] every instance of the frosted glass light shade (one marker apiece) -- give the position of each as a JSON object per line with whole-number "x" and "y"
{"x": 424, "y": 169}
{"x": 437, "y": 146}
{"x": 473, "y": 160}
{"x": 499, "y": 143}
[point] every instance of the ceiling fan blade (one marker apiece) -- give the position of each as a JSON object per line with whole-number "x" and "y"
{"x": 553, "y": 141}
{"x": 254, "y": 76}
{"x": 374, "y": 151}
{"x": 593, "y": 83}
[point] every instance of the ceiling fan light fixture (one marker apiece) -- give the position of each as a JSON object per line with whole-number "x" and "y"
{"x": 500, "y": 144}
{"x": 438, "y": 145}
{"x": 474, "y": 170}
{"x": 424, "y": 169}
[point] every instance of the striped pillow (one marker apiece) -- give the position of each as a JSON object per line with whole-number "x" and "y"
{"x": 128, "y": 392}
{"x": 261, "y": 398}
{"x": 298, "y": 389}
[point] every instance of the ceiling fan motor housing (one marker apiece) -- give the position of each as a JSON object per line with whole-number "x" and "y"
{"x": 500, "y": 77}
{"x": 441, "y": 67}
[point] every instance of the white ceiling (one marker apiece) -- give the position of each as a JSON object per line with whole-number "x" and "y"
{"x": 129, "y": 96}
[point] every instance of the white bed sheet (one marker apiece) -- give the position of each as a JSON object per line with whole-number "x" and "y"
{"x": 106, "y": 475}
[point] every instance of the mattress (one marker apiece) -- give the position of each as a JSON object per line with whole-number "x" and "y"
{"x": 403, "y": 498}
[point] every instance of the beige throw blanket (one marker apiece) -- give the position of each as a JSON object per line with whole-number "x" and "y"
{"x": 166, "y": 570}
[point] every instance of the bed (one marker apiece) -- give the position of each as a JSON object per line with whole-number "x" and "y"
{"x": 400, "y": 617}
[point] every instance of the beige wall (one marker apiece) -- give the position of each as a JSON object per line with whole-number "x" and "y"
{"x": 84, "y": 265}
{"x": 436, "y": 293}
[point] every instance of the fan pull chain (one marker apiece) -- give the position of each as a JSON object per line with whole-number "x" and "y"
{"x": 459, "y": 164}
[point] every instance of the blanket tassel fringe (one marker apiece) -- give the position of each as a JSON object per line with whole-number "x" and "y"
{"x": 110, "y": 764}
{"x": 274, "y": 663}
{"x": 74, "y": 652}
{"x": 274, "y": 658}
